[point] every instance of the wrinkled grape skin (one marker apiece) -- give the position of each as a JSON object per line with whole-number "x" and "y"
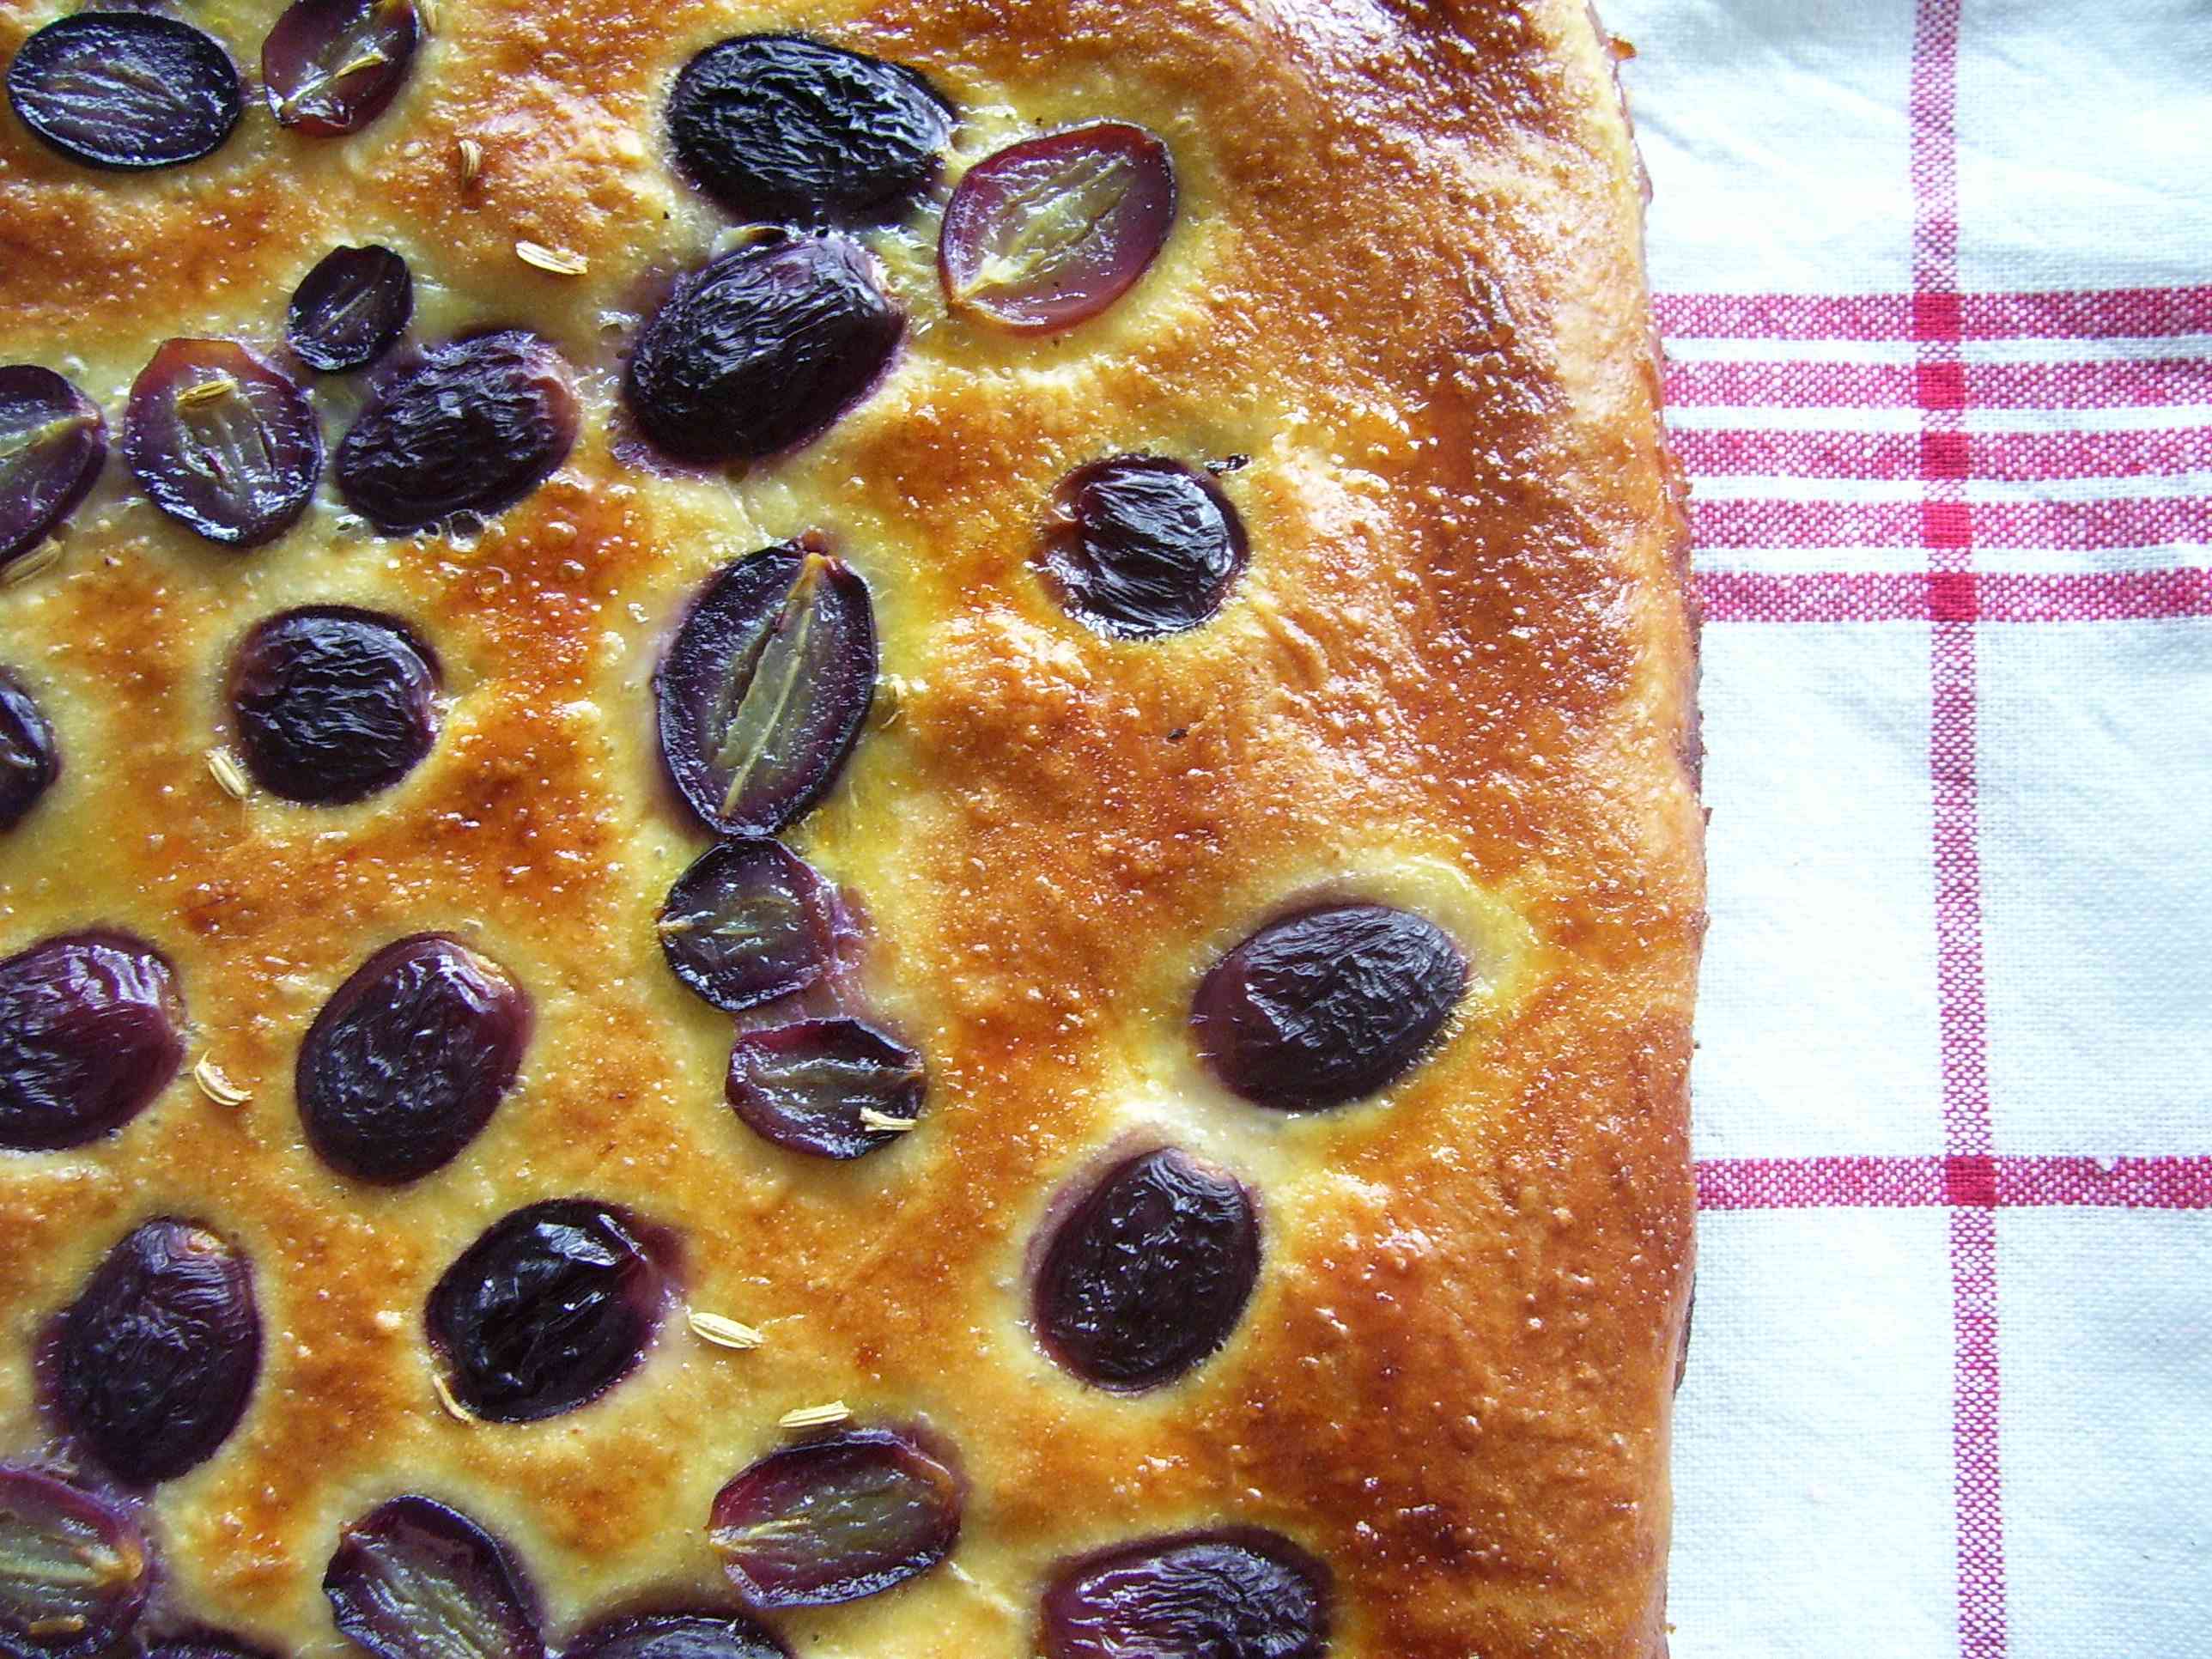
{"x": 350, "y": 309}
{"x": 330, "y": 704}
{"x": 677, "y": 1636}
{"x": 550, "y": 1307}
{"x": 156, "y": 1358}
{"x": 138, "y": 50}
{"x": 1242, "y": 1594}
{"x": 780, "y": 128}
{"x": 1142, "y": 546}
{"x": 476, "y": 426}
{"x": 43, "y": 487}
{"x": 877, "y": 1071}
{"x": 71, "y": 1523}
{"x": 237, "y": 506}
{"x": 471, "y": 1567}
{"x": 408, "y": 1058}
{"x": 313, "y": 36}
{"x": 761, "y": 349}
{"x": 91, "y": 1031}
{"x": 724, "y": 639}
{"x": 778, "y": 930}
{"x": 1328, "y": 1005}
{"x": 984, "y": 221}
{"x": 30, "y": 759}
{"x": 759, "y": 1518}
{"x": 1149, "y": 1271}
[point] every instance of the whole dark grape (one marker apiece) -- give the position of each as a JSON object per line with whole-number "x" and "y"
{"x": 473, "y": 428}
{"x": 330, "y": 704}
{"x": 91, "y": 1030}
{"x": 762, "y": 349}
{"x": 156, "y": 1358}
{"x": 408, "y": 1058}
{"x": 1142, "y": 546}
{"x": 550, "y": 1307}
{"x": 30, "y": 759}
{"x": 1328, "y": 1005}
{"x": 1237, "y": 1595}
{"x": 778, "y": 127}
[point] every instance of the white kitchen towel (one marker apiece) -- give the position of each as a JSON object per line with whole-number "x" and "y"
{"x": 1936, "y": 279}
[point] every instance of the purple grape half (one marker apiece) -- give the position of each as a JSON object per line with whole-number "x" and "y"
{"x": 550, "y": 1307}
{"x": 51, "y": 444}
{"x": 74, "y": 1570}
{"x": 30, "y": 759}
{"x": 677, "y": 1636}
{"x": 91, "y": 1030}
{"x": 750, "y": 921}
{"x": 1050, "y": 231}
{"x": 762, "y": 349}
{"x": 1327, "y": 1005}
{"x": 225, "y": 444}
{"x": 126, "y": 90}
{"x": 1141, "y": 546}
{"x": 408, "y": 1058}
{"x": 781, "y": 129}
{"x": 350, "y": 309}
{"x": 330, "y": 67}
{"x": 413, "y": 1579}
{"x": 476, "y": 426}
{"x": 330, "y": 704}
{"x": 1148, "y": 1273}
{"x": 156, "y": 1358}
{"x": 765, "y": 687}
{"x": 835, "y": 1518}
{"x": 804, "y": 1085}
{"x": 1235, "y": 1594}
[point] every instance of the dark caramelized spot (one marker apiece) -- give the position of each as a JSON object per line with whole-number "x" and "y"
{"x": 126, "y": 90}
{"x": 550, "y": 1307}
{"x": 750, "y": 921}
{"x": 74, "y": 1570}
{"x": 1050, "y": 231}
{"x": 1235, "y": 1594}
{"x": 413, "y": 1579}
{"x": 837, "y": 1088}
{"x": 761, "y": 349}
{"x": 156, "y": 1359}
{"x": 350, "y": 309}
{"x": 332, "y": 66}
{"x": 475, "y": 427}
{"x": 765, "y": 687}
{"x": 835, "y": 1518}
{"x": 90, "y": 1031}
{"x": 332, "y": 704}
{"x": 30, "y": 759}
{"x": 225, "y": 443}
{"x": 1329, "y": 1005}
{"x": 678, "y": 1635}
{"x": 1148, "y": 1273}
{"x": 1141, "y": 546}
{"x": 777, "y": 127}
{"x": 408, "y": 1058}
{"x": 51, "y": 444}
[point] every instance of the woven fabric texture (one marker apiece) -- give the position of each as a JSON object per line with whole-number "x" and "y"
{"x": 1936, "y": 281}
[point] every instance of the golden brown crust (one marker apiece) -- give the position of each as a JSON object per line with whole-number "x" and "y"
{"x": 1407, "y": 283}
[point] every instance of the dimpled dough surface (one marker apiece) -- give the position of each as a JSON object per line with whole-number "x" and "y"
{"x": 1457, "y": 675}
